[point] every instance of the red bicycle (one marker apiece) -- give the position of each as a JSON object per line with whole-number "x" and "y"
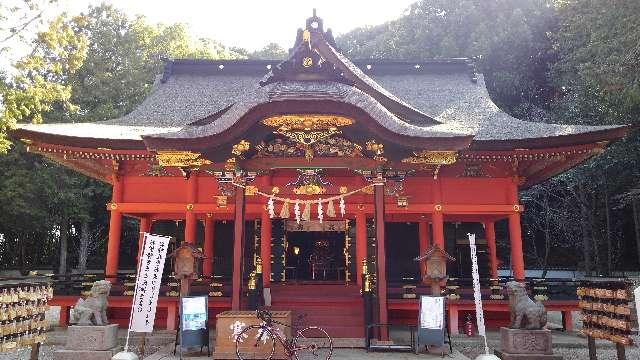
{"x": 259, "y": 341}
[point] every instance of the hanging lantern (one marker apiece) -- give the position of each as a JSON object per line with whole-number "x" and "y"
{"x": 320, "y": 210}
{"x": 284, "y": 212}
{"x": 296, "y": 211}
{"x": 271, "y": 208}
{"x": 306, "y": 213}
{"x": 342, "y": 206}
{"x": 331, "y": 211}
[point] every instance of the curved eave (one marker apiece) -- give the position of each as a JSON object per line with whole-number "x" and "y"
{"x": 75, "y": 141}
{"x": 604, "y": 135}
{"x": 248, "y": 127}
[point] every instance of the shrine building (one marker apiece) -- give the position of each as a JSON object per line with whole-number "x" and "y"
{"x": 317, "y": 165}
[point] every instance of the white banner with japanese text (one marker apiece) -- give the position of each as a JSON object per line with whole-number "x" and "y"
{"x": 143, "y": 312}
{"x": 477, "y": 296}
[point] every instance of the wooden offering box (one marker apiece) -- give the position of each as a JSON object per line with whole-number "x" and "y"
{"x": 229, "y": 321}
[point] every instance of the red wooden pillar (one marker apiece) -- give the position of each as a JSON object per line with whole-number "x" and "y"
{"x": 265, "y": 248}
{"x": 361, "y": 244}
{"x": 423, "y": 241}
{"x": 238, "y": 240}
{"x": 515, "y": 240}
{"x": 191, "y": 221}
{"x": 115, "y": 230}
{"x": 515, "y": 232}
{"x": 381, "y": 260}
{"x": 437, "y": 219}
{"x": 490, "y": 234}
{"x": 145, "y": 227}
{"x": 209, "y": 232}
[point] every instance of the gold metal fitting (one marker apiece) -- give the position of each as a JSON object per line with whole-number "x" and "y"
{"x": 252, "y": 280}
{"x": 437, "y": 207}
{"x": 240, "y": 148}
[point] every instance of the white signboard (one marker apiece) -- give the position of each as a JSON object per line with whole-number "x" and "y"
{"x": 145, "y": 299}
{"x": 194, "y": 313}
{"x": 477, "y": 296}
{"x": 432, "y": 312}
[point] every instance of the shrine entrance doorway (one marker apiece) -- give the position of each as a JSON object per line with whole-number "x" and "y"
{"x": 315, "y": 252}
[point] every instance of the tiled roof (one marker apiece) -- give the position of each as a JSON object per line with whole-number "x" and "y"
{"x": 316, "y": 90}
{"x": 443, "y": 90}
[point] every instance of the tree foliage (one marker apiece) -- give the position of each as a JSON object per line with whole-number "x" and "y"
{"x": 120, "y": 58}
{"x": 41, "y": 79}
{"x": 566, "y": 61}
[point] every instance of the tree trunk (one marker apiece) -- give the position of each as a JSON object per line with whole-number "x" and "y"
{"x": 595, "y": 240}
{"x": 586, "y": 237}
{"x": 547, "y": 236}
{"x": 607, "y": 214}
{"x": 636, "y": 222}
{"x": 23, "y": 260}
{"x": 64, "y": 244}
{"x": 83, "y": 250}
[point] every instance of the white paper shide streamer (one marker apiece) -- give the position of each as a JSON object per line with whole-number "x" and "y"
{"x": 271, "y": 208}
{"x": 320, "y": 211}
{"x": 476, "y": 291}
{"x": 296, "y": 211}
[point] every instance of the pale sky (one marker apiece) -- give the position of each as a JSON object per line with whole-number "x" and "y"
{"x": 251, "y": 24}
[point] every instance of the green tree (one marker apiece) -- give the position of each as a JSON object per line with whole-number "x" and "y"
{"x": 509, "y": 40}
{"x": 124, "y": 56}
{"x": 41, "y": 78}
{"x": 17, "y": 17}
{"x": 270, "y": 52}
{"x": 567, "y": 61}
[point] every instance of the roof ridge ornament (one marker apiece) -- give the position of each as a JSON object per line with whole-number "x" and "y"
{"x": 314, "y": 23}
{"x": 305, "y": 62}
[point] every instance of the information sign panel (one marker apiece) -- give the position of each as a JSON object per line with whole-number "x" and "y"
{"x": 194, "y": 330}
{"x": 431, "y": 322}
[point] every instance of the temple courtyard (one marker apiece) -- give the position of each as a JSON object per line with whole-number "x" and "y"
{"x": 160, "y": 346}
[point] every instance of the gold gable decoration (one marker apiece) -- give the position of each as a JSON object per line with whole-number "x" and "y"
{"x": 307, "y": 122}
{"x": 427, "y": 157}
{"x": 307, "y": 129}
{"x": 309, "y": 189}
{"x": 180, "y": 159}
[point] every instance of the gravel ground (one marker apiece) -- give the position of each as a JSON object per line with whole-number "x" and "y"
{"x": 570, "y": 346}
{"x": 46, "y": 352}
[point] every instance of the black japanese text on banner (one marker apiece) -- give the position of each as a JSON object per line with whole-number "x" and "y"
{"x": 148, "y": 282}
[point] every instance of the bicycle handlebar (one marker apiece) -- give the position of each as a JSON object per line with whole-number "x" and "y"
{"x": 265, "y": 316}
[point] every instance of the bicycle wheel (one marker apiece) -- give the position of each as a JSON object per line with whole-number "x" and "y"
{"x": 313, "y": 343}
{"x": 255, "y": 342}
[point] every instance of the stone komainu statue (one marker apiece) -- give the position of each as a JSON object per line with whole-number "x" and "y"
{"x": 93, "y": 310}
{"x": 525, "y": 313}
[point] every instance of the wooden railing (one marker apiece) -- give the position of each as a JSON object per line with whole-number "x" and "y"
{"x": 462, "y": 289}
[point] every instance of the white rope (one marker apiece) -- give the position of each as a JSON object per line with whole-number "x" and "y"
{"x": 336, "y": 197}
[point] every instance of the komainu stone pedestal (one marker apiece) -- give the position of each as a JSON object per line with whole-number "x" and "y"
{"x": 525, "y": 344}
{"x": 89, "y": 342}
